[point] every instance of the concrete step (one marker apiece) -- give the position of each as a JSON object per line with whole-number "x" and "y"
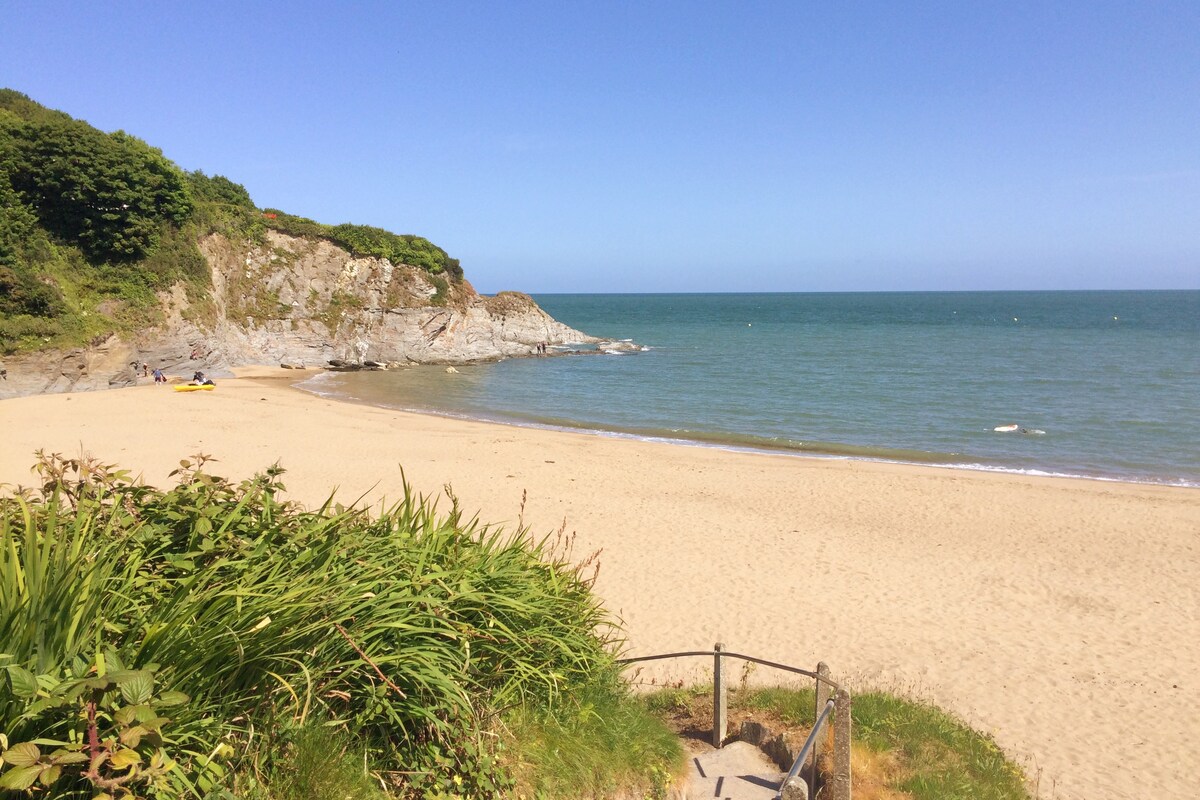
{"x": 738, "y": 771}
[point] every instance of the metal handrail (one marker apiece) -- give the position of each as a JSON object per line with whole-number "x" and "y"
{"x": 727, "y": 654}
{"x": 804, "y": 751}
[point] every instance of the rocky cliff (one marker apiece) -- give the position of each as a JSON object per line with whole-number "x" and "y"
{"x": 302, "y": 302}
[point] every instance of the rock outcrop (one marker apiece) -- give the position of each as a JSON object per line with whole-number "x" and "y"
{"x": 302, "y": 303}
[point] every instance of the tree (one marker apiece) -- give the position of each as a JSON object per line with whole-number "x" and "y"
{"x": 108, "y": 193}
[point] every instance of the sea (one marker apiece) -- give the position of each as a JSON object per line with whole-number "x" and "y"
{"x": 1090, "y": 384}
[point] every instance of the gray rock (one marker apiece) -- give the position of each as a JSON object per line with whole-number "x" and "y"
{"x": 293, "y": 301}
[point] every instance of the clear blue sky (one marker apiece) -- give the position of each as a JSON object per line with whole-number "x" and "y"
{"x": 676, "y": 146}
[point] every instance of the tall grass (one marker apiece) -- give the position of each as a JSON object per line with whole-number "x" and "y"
{"x": 905, "y": 748}
{"x": 410, "y": 630}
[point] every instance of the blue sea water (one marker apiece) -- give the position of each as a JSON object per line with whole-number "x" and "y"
{"x": 1111, "y": 378}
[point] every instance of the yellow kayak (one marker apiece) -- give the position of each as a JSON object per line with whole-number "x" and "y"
{"x": 191, "y": 387}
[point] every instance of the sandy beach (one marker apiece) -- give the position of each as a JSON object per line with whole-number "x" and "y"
{"x": 1060, "y": 615}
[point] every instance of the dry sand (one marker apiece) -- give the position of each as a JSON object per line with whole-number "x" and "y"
{"x": 1059, "y": 615}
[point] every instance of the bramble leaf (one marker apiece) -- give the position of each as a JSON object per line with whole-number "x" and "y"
{"x": 23, "y": 754}
{"x": 23, "y": 682}
{"x": 50, "y": 774}
{"x": 20, "y": 778}
{"x": 138, "y": 688}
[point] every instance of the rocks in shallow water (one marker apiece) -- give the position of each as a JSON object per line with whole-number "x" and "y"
{"x": 452, "y": 370}
{"x": 621, "y": 346}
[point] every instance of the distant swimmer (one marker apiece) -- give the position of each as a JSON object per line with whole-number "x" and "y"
{"x": 1014, "y": 428}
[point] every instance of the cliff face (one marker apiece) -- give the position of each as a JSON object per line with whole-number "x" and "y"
{"x": 302, "y": 302}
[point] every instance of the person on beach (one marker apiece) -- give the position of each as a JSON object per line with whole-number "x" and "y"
{"x": 159, "y": 377}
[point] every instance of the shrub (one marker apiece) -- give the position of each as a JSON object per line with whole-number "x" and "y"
{"x": 408, "y": 630}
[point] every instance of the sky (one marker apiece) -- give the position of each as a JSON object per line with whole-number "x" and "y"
{"x": 676, "y": 146}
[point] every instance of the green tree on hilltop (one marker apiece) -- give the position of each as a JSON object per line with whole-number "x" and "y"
{"x": 109, "y": 193}
{"x": 218, "y": 189}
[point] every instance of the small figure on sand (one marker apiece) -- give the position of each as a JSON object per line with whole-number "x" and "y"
{"x": 145, "y": 370}
{"x": 159, "y": 377}
{"x": 198, "y": 379}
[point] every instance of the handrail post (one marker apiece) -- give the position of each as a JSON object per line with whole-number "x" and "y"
{"x": 720, "y": 723}
{"x": 838, "y": 785}
{"x": 822, "y": 699}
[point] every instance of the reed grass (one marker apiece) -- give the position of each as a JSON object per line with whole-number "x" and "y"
{"x": 410, "y": 632}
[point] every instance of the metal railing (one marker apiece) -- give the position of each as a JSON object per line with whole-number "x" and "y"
{"x": 831, "y": 698}
{"x": 809, "y": 743}
{"x": 726, "y": 654}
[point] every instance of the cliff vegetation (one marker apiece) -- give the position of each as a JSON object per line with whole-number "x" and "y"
{"x": 94, "y": 225}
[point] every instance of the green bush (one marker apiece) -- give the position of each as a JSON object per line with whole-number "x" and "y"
{"x": 218, "y": 189}
{"x": 108, "y": 193}
{"x": 364, "y": 240}
{"x": 408, "y": 631}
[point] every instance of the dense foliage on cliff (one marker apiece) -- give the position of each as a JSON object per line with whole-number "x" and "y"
{"x": 212, "y": 640}
{"x": 92, "y": 224}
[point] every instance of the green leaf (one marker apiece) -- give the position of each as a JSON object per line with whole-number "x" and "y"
{"x": 41, "y": 705}
{"x": 20, "y": 778}
{"x": 172, "y": 698}
{"x": 132, "y": 737}
{"x": 22, "y": 755}
{"x": 126, "y": 758}
{"x": 50, "y": 775}
{"x": 66, "y": 757}
{"x": 24, "y": 683}
{"x": 143, "y": 713}
{"x": 139, "y": 688}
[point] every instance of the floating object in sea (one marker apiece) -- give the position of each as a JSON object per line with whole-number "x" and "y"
{"x": 1014, "y": 428}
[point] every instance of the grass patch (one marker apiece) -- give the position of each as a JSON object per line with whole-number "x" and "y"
{"x": 901, "y": 748}
{"x": 293, "y": 652}
{"x": 600, "y": 743}
{"x": 939, "y": 756}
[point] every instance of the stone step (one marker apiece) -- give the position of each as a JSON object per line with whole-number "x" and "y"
{"x": 738, "y": 771}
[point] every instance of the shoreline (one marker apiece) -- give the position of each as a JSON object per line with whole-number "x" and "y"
{"x": 1060, "y": 615}
{"x": 821, "y": 451}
